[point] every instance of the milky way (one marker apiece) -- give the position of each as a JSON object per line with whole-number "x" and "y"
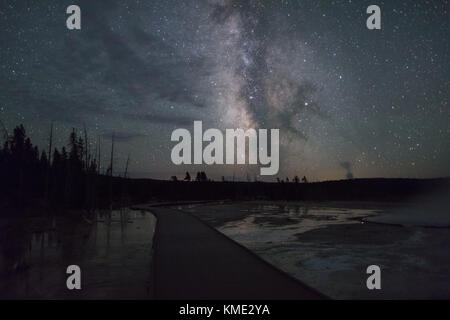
{"x": 349, "y": 102}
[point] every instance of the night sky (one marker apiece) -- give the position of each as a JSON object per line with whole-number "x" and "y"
{"x": 348, "y": 101}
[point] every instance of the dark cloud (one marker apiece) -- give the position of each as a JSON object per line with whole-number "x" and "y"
{"x": 101, "y": 70}
{"x": 292, "y": 102}
{"x": 156, "y": 68}
{"x": 122, "y": 136}
{"x": 161, "y": 119}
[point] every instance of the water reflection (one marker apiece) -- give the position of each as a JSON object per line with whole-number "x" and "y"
{"x": 259, "y": 223}
{"x": 113, "y": 250}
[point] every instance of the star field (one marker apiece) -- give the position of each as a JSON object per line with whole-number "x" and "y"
{"x": 349, "y": 102}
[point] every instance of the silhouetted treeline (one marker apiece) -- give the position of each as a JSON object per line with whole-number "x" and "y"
{"x": 68, "y": 177}
{"x": 349, "y": 190}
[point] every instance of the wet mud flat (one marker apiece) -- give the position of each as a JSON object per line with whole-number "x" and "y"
{"x": 328, "y": 246}
{"x": 113, "y": 251}
{"x": 414, "y": 261}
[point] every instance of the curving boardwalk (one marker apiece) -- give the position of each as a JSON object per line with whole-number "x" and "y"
{"x": 194, "y": 261}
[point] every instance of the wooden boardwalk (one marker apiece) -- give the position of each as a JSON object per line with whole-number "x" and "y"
{"x": 194, "y": 261}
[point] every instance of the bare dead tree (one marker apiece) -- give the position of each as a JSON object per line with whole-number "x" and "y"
{"x": 111, "y": 171}
{"x": 47, "y": 176}
{"x": 124, "y": 185}
{"x": 99, "y": 156}
{"x": 86, "y": 153}
{"x": 50, "y": 143}
{"x": 126, "y": 167}
{"x": 112, "y": 156}
{"x": 5, "y": 131}
{"x": 88, "y": 180}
